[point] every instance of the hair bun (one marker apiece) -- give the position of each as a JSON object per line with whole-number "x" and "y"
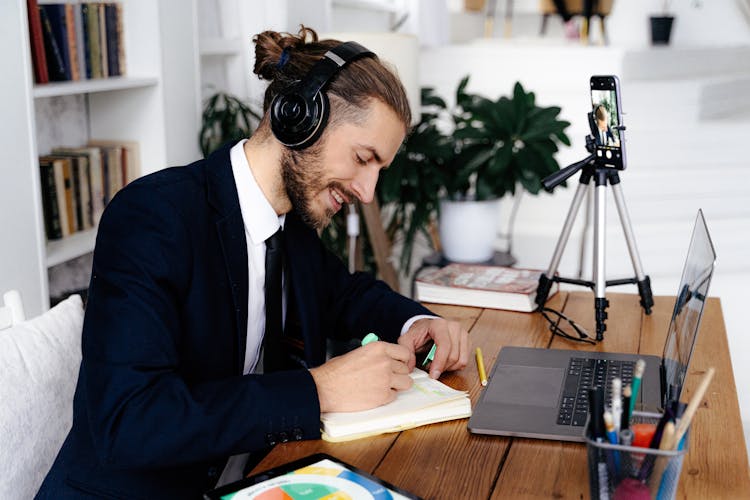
{"x": 270, "y": 47}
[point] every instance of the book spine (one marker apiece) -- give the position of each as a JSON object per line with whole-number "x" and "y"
{"x": 56, "y": 16}
{"x": 103, "y": 40}
{"x": 124, "y": 164}
{"x": 97, "y": 185}
{"x": 80, "y": 46}
{"x": 55, "y": 65}
{"x": 62, "y": 209}
{"x": 86, "y": 39}
{"x": 92, "y": 25}
{"x": 85, "y": 190}
{"x": 112, "y": 49}
{"x": 114, "y": 166}
{"x": 69, "y": 196}
{"x": 49, "y": 201}
{"x": 70, "y": 31}
{"x": 37, "y": 42}
{"x": 120, "y": 42}
{"x": 105, "y": 175}
{"x": 76, "y": 188}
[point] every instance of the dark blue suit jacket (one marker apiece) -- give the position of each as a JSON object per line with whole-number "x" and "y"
{"x": 161, "y": 401}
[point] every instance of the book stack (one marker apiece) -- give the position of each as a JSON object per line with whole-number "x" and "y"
{"x": 77, "y": 183}
{"x": 475, "y": 285}
{"x": 76, "y": 40}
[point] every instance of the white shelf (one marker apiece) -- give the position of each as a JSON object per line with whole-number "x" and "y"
{"x": 94, "y": 85}
{"x": 374, "y": 5}
{"x": 70, "y": 247}
{"x": 220, "y": 46}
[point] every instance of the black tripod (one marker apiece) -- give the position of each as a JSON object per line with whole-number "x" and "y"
{"x": 602, "y": 175}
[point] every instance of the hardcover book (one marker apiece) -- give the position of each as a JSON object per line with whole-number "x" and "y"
{"x": 37, "y": 42}
{"x": 50, "y": 205}
{"x": 52, "y": 51}
{"x": 427, "y": 401}
{"x": 477, "y": 285}
{"x": 58, "y": 31}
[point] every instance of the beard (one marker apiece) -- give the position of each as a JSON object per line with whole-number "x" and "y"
{"x": 303, "y": 176}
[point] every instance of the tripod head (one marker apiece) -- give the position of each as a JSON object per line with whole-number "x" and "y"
{"x": 553, "y": 180}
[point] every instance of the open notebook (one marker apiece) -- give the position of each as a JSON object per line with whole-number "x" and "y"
{"x": 426, "y": 402}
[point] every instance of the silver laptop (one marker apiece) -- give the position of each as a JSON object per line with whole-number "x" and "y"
{"x": 541, "y": 393}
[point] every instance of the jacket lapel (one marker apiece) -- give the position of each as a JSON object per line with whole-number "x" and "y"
{"x": 222, "y": 195}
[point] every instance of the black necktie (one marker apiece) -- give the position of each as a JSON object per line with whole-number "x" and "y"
{"x": 272, "y": 357}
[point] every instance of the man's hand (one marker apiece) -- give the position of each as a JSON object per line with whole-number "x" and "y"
{"x": 451, "y": 338}
{"x": 364, "y": 378}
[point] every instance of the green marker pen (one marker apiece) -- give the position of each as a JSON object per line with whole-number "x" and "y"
{"x": 370, "y": 337}
{"x": 430, "y": 355}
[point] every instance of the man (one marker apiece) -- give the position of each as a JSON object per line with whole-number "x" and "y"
{"x": 184, "y": 363}
{"x": 604, "y": 136}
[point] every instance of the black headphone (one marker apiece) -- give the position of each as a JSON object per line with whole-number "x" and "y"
{"x": 299, "y": 113}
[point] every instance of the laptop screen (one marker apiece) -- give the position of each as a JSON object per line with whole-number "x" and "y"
{"x": 688, "y": 309}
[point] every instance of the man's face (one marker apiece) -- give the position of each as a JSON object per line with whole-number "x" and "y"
{"x": 344, "y": 166}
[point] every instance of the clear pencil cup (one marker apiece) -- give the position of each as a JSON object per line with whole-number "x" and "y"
{"x": 620, "y": 472}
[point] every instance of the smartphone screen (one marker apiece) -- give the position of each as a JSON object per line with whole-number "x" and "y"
{"x": 605, "y": 121}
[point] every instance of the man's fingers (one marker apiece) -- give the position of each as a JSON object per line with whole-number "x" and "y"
{"x": 440, "y": 360}
{"x": 398, "y": 352}
{"x": 400, "y": 367}
{"x": 461, "y": 345}
{"x": 401, "y": 382}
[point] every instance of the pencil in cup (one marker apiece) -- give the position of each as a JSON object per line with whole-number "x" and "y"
{"x": 601, "y": 465}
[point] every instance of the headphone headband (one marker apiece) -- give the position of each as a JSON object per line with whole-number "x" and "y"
{"x": 330, "y": 64}
{"x": 299, "y": 113}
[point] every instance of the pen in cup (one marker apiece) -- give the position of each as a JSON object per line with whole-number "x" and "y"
{"x": 625, "y": 419}
{"x": 616, "y": 403}
{"x": 640, "y": 367}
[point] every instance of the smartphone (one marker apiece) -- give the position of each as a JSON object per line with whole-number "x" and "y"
{"x": 606, "y": 123}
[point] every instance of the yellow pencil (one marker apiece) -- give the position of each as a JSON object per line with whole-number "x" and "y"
{"x": 480, "y": 367}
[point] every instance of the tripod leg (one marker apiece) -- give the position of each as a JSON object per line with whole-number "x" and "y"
{"x": 545, "y": 280}
{"x": 600, "y": 240}
{"x": 644, "y": 282}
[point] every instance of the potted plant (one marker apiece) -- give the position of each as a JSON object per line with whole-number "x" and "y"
{"x": 225, "y": 118}
{"x": 661, "y": 25}
{"x": 466, "y": 158}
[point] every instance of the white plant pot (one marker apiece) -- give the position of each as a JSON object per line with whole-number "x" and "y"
{"x": 468, "y": 229}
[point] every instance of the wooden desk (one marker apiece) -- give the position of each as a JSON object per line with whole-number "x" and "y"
{"x": 445, "y": 461}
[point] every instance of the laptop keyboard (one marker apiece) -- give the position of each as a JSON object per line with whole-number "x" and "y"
{"x": 582, "y": 374}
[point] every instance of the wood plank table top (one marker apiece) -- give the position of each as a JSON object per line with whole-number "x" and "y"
{"x": 446, "y": 461}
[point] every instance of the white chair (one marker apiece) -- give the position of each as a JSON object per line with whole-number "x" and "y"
{"x": 11, "y": 312}
{"x": 39, "y": 362}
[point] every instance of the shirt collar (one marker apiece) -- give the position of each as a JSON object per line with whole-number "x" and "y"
{"x": 258, "y": 216}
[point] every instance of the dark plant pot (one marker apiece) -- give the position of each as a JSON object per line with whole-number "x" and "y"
{"x": 661, "y": 29}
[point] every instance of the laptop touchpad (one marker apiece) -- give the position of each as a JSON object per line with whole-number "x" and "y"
{"x": 525, "y": 385}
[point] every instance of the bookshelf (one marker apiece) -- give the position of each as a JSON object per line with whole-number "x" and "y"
{"x": 156, "y": 104}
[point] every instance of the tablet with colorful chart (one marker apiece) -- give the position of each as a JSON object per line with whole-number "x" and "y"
{"x": 317, "y": 477}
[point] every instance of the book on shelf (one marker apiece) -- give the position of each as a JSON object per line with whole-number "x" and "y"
{"x": 76, "y": 40}
{"x": 50, "y": 207}
{"x": 55, "y": 13}
{"x": 71, "y": 41}
{"x": 428, "y": 401}
{"x": 52, "y": 51}
{"x": 38, "y": 56}
{"x": 478, "y": 285}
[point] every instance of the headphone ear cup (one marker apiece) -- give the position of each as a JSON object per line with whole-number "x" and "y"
{"x": 296, "y": 121}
